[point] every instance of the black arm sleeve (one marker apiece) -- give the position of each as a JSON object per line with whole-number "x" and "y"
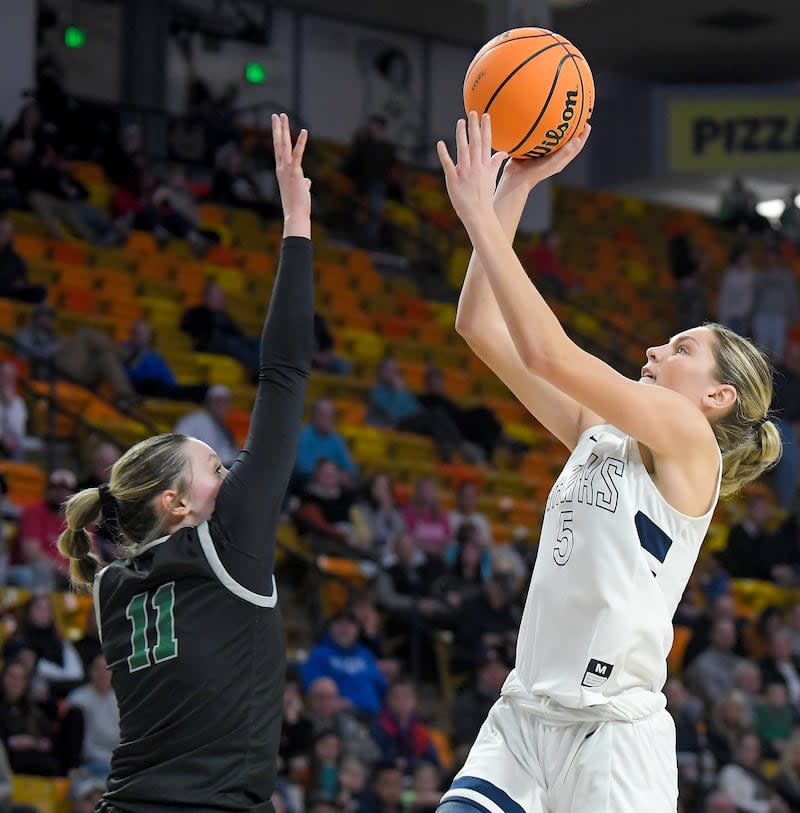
{"x": 249, "y": 502}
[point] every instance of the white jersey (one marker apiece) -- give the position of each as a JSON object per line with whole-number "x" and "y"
{"x": 613, "y": 561}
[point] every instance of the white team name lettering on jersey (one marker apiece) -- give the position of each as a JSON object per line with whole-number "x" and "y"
{"x": 595, "y": 483}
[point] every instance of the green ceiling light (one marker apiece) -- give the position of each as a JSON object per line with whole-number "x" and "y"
{"x": 74, "y": 37}
{"x": 255, "y": 73}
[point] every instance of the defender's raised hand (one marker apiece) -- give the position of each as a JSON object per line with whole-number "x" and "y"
{"x": 292, "y": 183}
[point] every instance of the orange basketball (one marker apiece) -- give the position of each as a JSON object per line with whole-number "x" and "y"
{"x": 537, "y": 87}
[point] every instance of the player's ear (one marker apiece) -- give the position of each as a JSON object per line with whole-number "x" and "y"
{"x": 171, "y": 503}
{"x": 722, "y": 396}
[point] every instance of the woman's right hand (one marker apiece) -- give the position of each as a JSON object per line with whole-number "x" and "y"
{"x": 528, "y": 172}
{"x": 294, "y": 186}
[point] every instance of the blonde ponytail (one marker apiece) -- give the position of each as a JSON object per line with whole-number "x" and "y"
{"x": 82, "y": 510}
{"x": 749, "y": 440}
{"x": 750, "y": 458}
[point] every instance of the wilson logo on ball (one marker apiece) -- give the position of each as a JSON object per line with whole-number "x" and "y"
{"x": 554, "y": 137}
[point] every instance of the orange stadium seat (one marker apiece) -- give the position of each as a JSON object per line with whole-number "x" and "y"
{"x": 8, "y": 316}
{"x": 74, "y": 276}
{"x": 69, "y": 253}
{"x": 239, "y": 423}
{"x": 77, "y": 300}
{"x": 392, "y": 326}
{"x": 336, "y": 592}
{"x": 32, "y": 246}
{"x": 26, "y": 481}
{"x": 114, "y": 282}
{"x": 679, "y": 644}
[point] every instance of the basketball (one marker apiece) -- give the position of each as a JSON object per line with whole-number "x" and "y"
{"x": 537, "y": 87}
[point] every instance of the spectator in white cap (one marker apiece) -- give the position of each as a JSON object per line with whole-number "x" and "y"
{"x": 209, "y": 424}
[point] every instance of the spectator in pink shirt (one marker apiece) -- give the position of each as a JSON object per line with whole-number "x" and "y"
{"x": 427, "y": 520}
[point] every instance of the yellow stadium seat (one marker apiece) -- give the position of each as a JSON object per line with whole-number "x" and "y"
{"x": 362, "y": 345}
{"x": 99, "y": 196}
{"x": 221, "y": 369}
{"x": 167, "y": 413}
{"x": 755, "y": 596}
{"x": 187, "y": 370}
{"x": 161, "y": 311}
{"x": 27, "y": 223}
{"x": 71, "y": 611}
{"x": 408, "y": 447}
{"x": 126, "y": 431}
{"x": 367, "y": 442}
{"x": 523, "y": 432}
{"x": 457, "y": 266}
{"x": 46, "y": 795}
{"x": 444, "y": 314}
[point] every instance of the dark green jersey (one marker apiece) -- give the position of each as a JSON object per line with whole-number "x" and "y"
{"x": 198, "y": 664}
{"x": 190, "y": 625}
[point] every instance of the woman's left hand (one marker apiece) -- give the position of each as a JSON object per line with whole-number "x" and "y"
{"x": 471, "y": 181}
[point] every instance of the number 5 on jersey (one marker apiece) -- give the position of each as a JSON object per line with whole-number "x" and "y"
{"x": 565, "y": 541}
{"x": 166, "y": 647}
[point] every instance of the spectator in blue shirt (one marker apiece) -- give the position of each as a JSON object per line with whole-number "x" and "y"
{"x": 351, "y": 665}
{"x": 393, "y": 405}
{"x": 320, "y": 439}
{"x": 148, "y": 370}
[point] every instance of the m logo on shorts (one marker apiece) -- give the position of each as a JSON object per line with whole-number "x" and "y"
{"x": 597, "y": 673}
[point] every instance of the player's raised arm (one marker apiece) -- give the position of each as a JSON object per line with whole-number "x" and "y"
{"x": 664, "y": 420}
{"x": 249, "y": 501}
{"x": 479, "y": 319}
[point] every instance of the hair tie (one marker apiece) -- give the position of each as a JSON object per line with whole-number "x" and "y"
{"x": 108, "y": 502}
{"x": 761, "y": 421}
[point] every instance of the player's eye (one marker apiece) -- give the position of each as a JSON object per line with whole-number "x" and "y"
{"x": 218, "y": 469}
{"x": 681, "y": 348}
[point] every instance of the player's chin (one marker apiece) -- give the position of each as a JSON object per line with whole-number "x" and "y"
{"x": 208, "y": 511}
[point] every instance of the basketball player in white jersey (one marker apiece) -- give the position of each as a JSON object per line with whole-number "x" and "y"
{"x": 581, "y": 725}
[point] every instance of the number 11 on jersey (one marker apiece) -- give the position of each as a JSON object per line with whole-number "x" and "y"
{"x": 166, "y": 647}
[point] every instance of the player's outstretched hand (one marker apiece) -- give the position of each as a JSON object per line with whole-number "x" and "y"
{"x": 471, "y": 180}
{"x": 528, "y": 172}
{"x": 292, "y": 183}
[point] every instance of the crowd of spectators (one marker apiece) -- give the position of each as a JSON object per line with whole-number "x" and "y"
{"x": 365, "y": 730}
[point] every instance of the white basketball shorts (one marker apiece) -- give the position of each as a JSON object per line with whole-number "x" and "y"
{"x": 522, "y": 763}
